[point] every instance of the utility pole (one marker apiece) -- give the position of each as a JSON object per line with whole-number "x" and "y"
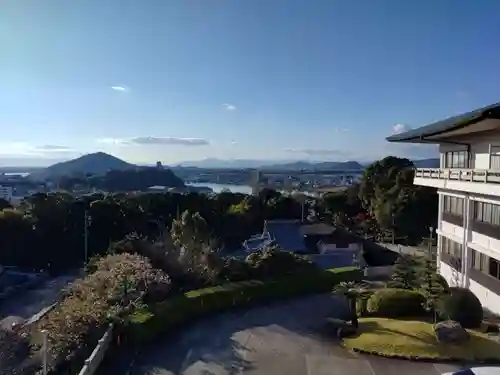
{"x": 431, "y": 230}
{"x": 86, "y": 236}
{"x": 45, "y": 348}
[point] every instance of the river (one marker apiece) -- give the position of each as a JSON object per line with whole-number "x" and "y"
{"x": 217, "y": 188}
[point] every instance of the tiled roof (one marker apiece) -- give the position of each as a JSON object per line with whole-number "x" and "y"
{"x": 449, "y": 124}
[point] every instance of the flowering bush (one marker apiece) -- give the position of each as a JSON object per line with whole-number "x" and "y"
{"x": 118, "y": 284}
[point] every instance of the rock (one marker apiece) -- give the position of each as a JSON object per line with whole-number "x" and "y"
{"x": 491, "y": 328}
{"x": 336, "y": 323}
{"x": 340, "y": 327}
{"x": 346, "y": 332}
{"x": 450, "y": 332}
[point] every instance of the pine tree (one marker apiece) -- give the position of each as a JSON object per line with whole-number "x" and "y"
{"x": 404, "y": 275}
{"x": 432, "y": 288}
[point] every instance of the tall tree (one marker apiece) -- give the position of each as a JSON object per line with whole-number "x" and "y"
{"x": 405, "y": 275}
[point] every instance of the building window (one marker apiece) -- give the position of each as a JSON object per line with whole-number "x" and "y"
{"x": 495, "y": 161}
{"x": 487, "y": 213}
{"x": 456, "y": 159}
{"x": 479, "y": 261}
{"x": 485, "y": 264}
{"x": 453, "y": 205}
{"x": 451, "y": 253}
{"x": 452, "y": 248}
{"x": 494, "y": 268}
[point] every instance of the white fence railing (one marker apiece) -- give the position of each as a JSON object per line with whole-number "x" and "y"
{"x": 92, "y": 362}
{"x": 471, "y": 175}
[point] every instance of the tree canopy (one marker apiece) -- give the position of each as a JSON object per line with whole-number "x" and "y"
{"x": 386, "y": 201}
{"x": 47, "y": 231}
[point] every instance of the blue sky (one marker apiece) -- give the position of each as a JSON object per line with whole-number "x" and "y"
{"x": 284, "y": 79}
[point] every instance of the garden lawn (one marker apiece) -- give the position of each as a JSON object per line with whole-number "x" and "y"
{"x": 416, "y": 340}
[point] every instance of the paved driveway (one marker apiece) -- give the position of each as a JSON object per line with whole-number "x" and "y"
{"x": 282, "y": 339}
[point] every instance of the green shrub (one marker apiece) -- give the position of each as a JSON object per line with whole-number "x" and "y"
{"x": 272, "y": 263}
{"x": 463, "y": 306}
{"x": 444, "y": 284}
{"x": 394, "y": 303}
{"x": 145, "y": 325}
{"x": 234, "y": 269}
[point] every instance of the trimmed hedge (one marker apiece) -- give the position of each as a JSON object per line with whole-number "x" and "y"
{"x": 147, "y": 324}
{"x": 461, "y": 305}
{"x": 394, "y": 303}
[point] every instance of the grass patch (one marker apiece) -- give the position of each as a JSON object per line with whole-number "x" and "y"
{"x": 414, "y": 339}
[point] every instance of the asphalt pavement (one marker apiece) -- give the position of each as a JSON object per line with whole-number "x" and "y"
{"x": 30, "y": 302}
{"x": 281, "y": 339}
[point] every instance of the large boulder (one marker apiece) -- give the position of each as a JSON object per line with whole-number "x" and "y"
{"x": 450, "y": 332}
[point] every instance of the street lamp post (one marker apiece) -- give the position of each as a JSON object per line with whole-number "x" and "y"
{"x": 45, "y": 345}
{"x": 393, "y": 230}
{"x": 431, "y": 232}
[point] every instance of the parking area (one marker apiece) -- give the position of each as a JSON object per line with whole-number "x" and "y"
{"x": 281, "y": 339}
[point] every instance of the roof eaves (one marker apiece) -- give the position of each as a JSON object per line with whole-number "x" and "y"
{"x": 447, "y": 125}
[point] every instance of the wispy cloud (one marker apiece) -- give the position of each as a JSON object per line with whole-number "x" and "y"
{"x": 400, "y": 128}
{"x": 52, "y": 148}
{"x": 26, "y": 149}
{"x": 112, "y": 141}
{"x": 156, "y": 141}
{"x": 229, "y": 107}
{"x": 408, "y": 150}
{"x": 170, "y": 141}
{"x": 316, "y": 152}
{"x": 120, "y": 88}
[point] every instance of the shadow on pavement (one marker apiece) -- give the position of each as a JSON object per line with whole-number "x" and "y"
{"x": 231, "y": 343}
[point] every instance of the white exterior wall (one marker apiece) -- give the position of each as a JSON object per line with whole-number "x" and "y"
{"x": 481, "y": 149}
{"x": 484, "y": 244}
{"x": 489, "y": 300}
{"x": 470, "y": 240}
{"x": 481, "y": 155}
{"x": 448, "y": 273}
{"x": 452, "y": 231}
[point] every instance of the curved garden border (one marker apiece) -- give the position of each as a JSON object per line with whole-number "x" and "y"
{"x": 145, "y": 325}
{"x": 486, "y": 361}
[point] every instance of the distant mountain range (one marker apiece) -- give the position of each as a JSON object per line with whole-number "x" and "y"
{"x": 99, "y": 163}
{"x": 427, "y": 163}
{"x": 291, "y": 164}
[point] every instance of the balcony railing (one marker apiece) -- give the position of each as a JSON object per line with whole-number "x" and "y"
{"x": 487, "y": 229}
{"x": 453, "y": 219}
{"x": 471, "y": 175}
{"x": 452, "y": 260}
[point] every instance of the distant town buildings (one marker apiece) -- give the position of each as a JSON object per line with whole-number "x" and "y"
{"x": 6, "y": 192}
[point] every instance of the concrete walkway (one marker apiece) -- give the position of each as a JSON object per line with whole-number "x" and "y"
{"x": 281, "y": 339}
